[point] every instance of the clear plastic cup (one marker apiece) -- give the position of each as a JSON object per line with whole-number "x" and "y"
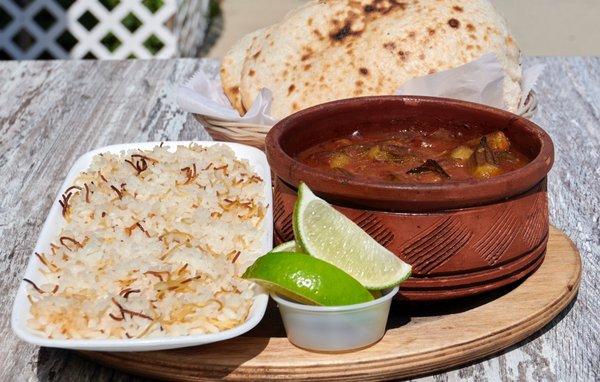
{"x": 336, "y": 328}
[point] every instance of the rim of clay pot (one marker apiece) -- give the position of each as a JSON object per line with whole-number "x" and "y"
{"x": 408, "y": 197}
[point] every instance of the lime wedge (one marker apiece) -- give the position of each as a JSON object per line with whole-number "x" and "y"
{"x": 306, "y": 279}
{"x": 288, "y": 246}
{"x": 323, "y": 232}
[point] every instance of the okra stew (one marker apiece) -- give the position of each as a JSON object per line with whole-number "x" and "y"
{"x": 417, "y": 156}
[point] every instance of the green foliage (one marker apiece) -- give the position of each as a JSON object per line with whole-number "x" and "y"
{"x": 153, "y": 5}
{"x": 110, "y": 4}
{"x": 111, "y": 42}
{"x": 131, "y": 22}
{"x": 153, "y": 44}
{"x": 214, "y": 9}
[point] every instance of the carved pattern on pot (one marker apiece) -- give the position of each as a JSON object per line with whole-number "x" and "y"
{"x": 282, "y": 218}
{"x": 375, "y": 228}
{"x": 536, "y": 221}
{"x": 496, "y": 240}
{"x": 436, "y": 245}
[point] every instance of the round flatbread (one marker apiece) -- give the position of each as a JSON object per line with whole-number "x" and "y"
{"x": 328, "y": 50}
{"x": 231, "y": 69}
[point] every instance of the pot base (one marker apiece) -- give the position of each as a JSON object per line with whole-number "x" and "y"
{"x": 414, "y": 290}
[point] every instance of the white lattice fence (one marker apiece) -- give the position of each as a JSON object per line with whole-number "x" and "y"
{"x": 105, "y": 29}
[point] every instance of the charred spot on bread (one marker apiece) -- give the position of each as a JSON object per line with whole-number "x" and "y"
{"x": 364, "y": 71}
{"x": 291, "y": 88}
{"x": 343, "y": 32}
{"x": 383, "y": 7}
{"x": 454, "y": 23}
{"x": 457, "y": 8}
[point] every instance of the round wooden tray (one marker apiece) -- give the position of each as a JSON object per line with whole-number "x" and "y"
{"x": 420, "y": 339}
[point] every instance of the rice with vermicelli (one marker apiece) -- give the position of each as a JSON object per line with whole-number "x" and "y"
{"x": 152, "y": 245}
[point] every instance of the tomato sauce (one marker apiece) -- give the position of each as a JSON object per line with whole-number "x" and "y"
{"x": 411, "y": 156}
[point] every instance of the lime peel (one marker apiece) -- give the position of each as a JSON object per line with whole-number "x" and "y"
{"x": 306, "y": 279}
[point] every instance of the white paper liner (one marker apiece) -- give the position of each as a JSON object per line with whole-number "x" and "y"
{"x": 478, "y": 81}
{"x": 530, "y": 77}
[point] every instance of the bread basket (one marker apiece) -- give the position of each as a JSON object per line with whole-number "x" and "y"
{"x": 254, "y": 134}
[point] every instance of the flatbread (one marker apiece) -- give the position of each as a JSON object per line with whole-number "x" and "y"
{"x": 231, "y": 69}
{"x": 327, "y": 50}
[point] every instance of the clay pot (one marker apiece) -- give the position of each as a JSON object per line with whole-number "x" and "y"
{"x": 462, "y": 237}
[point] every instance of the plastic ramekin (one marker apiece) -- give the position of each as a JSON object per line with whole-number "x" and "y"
{"x": 336, "y": 328}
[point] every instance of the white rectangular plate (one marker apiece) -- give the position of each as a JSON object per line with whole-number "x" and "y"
{"x": 53, "y": 224}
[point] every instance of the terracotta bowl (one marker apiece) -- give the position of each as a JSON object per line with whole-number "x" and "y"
{"x": 463, "y": 237}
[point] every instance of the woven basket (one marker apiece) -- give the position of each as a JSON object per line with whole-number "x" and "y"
{"x": 254, "y": 134}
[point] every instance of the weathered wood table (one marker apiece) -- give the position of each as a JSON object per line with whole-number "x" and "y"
{"x": 52, "y": 112}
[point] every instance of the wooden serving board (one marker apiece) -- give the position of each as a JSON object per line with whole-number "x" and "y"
{"x": 420, "y": 339}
